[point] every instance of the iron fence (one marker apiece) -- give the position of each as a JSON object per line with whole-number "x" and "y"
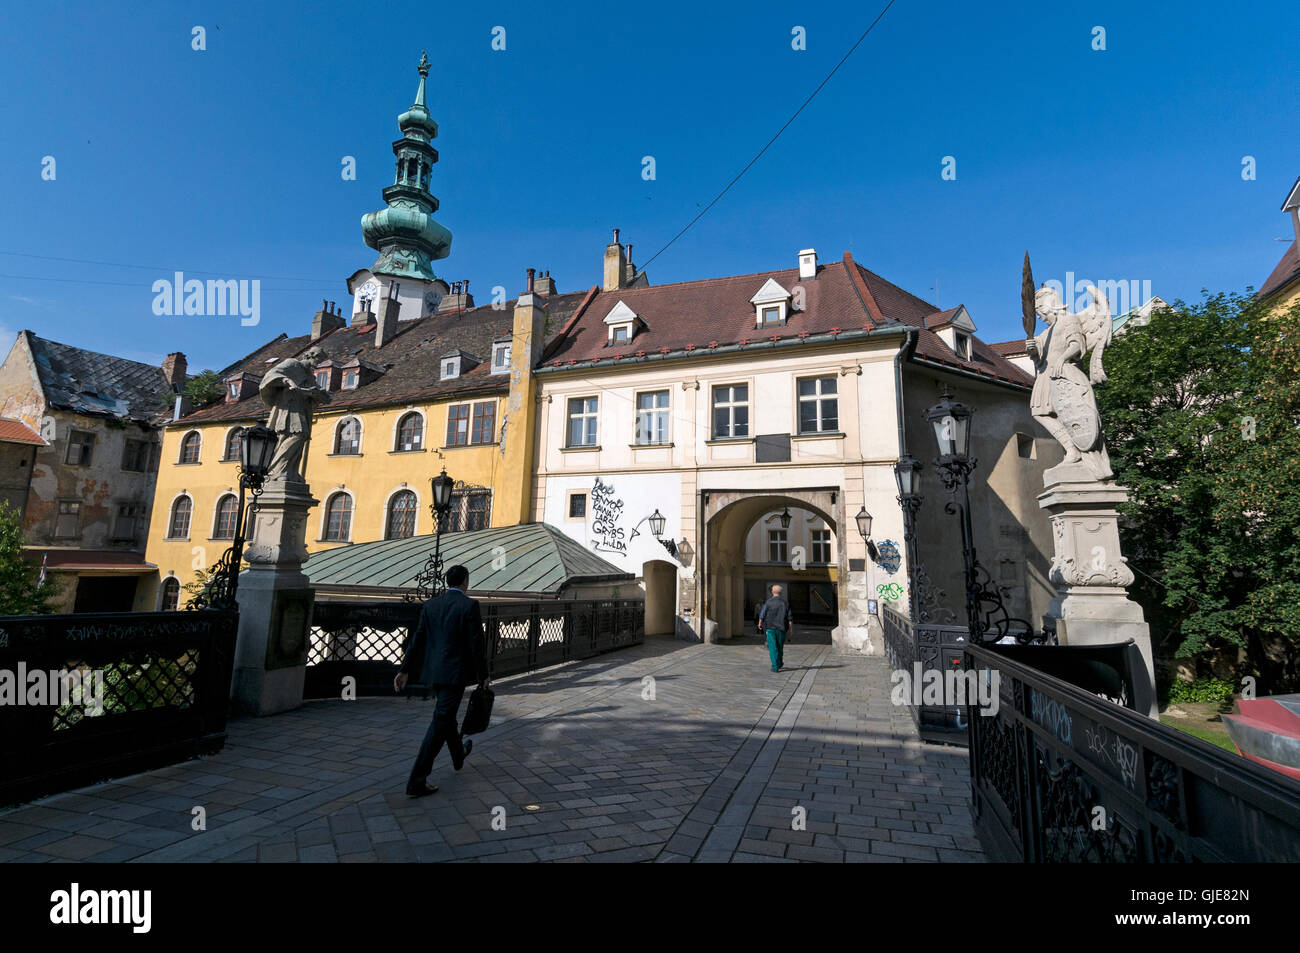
{"x": 1059, "y": 773}
{"x": 937, "y": 648}
{"x": 366, "y": 641}
{"x": 90, "y": 696}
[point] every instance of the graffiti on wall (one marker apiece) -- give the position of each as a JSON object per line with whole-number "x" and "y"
{"x": 606, "y": 510}
{"x": 889, "y": 591}
{"x": 890, "y": 558}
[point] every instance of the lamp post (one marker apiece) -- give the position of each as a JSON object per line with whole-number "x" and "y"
{"x": 429, "y": 582}
{"x": 863, "y": 519}
{"x": 907, "y": 473}
{"x": 985, "y": 611}
{"x": 256, "y": 448}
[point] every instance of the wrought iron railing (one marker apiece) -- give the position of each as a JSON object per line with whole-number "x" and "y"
{"x": 937, "y": 648}
{"x": 365, "y": 641}
{"x": 120, "y": 692}
{"x": 1061, "y": 774}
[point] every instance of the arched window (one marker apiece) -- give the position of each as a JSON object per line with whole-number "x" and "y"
{"x": 178, "y": 527}
{"x": 171, "y": 594}
{"x": 410, "y": 432}
{"x": 348, "y": 437}
{"x": 234, "y": 441}
{"x": 338, "y": 518}
{"x": 401, "y": 515}
{"x": 190, "y": 447}
{"x": 223, "y": 526}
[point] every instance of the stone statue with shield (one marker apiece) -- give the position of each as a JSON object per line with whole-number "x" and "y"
{"x": 1080, "y": 495}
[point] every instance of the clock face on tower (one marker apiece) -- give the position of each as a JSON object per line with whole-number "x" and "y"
{"x": 369, "y": 292}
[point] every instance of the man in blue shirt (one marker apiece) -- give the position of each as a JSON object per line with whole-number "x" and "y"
{"x": 776, "y": 619}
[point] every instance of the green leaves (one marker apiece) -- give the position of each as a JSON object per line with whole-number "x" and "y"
{"x": 1201, "y": 413}
{"x": 19, "y": 594}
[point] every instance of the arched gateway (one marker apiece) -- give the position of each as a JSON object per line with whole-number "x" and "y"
{"x": 727, "y": 517}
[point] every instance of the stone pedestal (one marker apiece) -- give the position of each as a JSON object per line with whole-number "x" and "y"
{"x": 859, "y": 632}
{"x": 275, "y": 603}
{"x": 1089, "y": 570}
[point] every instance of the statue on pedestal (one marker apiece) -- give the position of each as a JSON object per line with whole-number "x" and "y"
{"x": 1063, "y": 400}
{"x": 290, "y": 392}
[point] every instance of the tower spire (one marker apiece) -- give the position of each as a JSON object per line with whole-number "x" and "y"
{"x": 405, "y": 233}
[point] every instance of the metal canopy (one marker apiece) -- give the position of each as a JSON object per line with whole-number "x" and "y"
{"x": 532, "y": 558}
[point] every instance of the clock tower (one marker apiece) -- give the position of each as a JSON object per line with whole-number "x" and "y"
{"x": 405, "y": 233}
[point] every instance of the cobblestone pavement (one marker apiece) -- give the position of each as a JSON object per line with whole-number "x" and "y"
{"x": 664, "y": 752}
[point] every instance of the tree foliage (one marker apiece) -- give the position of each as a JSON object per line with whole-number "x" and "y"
{"x": 19, "y": 592}
{"x": 1201, "y": 412}
{"x": 203, "y": 388}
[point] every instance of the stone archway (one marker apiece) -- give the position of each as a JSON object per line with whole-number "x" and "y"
{"x": 727, "y": 518}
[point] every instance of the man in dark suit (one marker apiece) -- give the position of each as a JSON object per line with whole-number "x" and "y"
{"x": 447, "y": 653}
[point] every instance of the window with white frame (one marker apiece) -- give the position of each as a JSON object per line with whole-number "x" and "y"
{"x": 501, "y": 357}
{"x": 777, "y": 546}
{"x": 410, "y": 432}
{"x": 351, "y": 377}
{"x": 347, "y": 439}
{"x": 338, "y": 518}
{"x": 582, "y": 421}
{"x": 226, "y": 517}
{"x": 819, "y": 405}
{"x": 652, "y": 417}
{"x": 769, "y": 316}
{"x": 178, "y": 526}
{"x": 620, "y": 334}
{"x": 450, "y": 367}
{"x": 730, "y": 411}
{"x": 821, "y": 546}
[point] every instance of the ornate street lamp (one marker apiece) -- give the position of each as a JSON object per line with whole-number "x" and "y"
{"x": 256, "y": 448}
{"x": 429, "y": 581}
{"x": 785, "y": 518}
{"x": 907, "y": 474}
{"x": 657, "y": 523}
{"x": 987, "y": 618}
{"x": 863, "y": 520}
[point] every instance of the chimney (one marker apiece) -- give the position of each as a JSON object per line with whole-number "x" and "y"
{"x": 615, "y": 266}
{"x": 173, "y": 368}
{"x": 386, "y": 323}
{"x": 457, "y": 298}
{"x": 807, "y": 264}
{"x": 325, "y": 320}
{"x": 545, "y": 284}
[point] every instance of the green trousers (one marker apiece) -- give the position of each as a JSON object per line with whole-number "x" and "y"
{"x": 776, "y": 647}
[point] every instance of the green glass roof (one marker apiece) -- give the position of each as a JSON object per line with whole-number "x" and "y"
{"x": 534, "y": 558}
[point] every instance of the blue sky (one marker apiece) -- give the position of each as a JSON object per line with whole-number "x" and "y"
{"x": 1117, "y": 164}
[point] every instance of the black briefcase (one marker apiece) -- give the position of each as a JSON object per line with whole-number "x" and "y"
{"x": 479, "y": 712}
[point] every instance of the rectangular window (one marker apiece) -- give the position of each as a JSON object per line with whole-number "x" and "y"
{"x": 477, "y": 507}
{"x": 458, "y": 425}
{"x": 500, "y": 358}
{"x": 81, "y": 446}
{"x": 821, "y": 546}
{"x": 652, "y": 417}
{"x": 963, "y": 346}
{"x": 578, "y": 506}
{"x": 771, "y": 316}
{"x": 350, "y": 379}
{"x": 618, "y": 335}
{"x": 323, "y": 380}
{"x": 65, "y": 524}
{"x": 135, "y": 456}
{"x": 125, "y": 523}
{"x": 731, "y": 411}
{"x": 232, "y": 390}
{"x": 818, "y": 405}
{"x": 484, "y": 429}
{"x": 469, "y": 511}
{"x": 777, "y": 549}
{"x": 582, "y": 421}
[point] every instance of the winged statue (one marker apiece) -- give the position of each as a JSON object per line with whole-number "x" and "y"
{"x": 1063, "y": 400}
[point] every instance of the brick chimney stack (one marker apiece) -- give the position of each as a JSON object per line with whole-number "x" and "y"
{"x": 615, "y": 266}
{"x": 325, "y": 320}
{"x": 173, "y": 368}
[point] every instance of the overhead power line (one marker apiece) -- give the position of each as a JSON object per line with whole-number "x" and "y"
{"x": 810, "y": 98}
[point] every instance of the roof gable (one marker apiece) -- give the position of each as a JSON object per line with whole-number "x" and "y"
{"x": 770, "y": 292}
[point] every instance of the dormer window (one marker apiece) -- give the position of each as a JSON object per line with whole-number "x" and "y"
{"x": 623, "y": 324}
{"x": 962, "y": 346}
{"x": 323, "y": 379}
{"x": 350, "y": 379}
{"x": 450, "y": 367}
{"x": 501, "y": 357}
{"x": 232, "y": 390}
{"x": 771, "y": 305}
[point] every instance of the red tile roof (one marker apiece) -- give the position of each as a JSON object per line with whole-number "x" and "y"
{"x": 1287, "y": 271}
{"x": 1013, "y": 348}
{"x": 693, "y": 317}
{"x": 15, "y": 431}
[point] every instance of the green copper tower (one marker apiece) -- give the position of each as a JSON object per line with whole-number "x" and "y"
{"x": 405, "y": 233}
